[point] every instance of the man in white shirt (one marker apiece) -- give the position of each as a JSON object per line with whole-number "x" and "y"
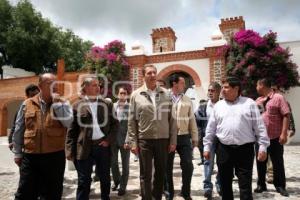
{"x": 89, "y": 138}
{"x": 237, "y": 125}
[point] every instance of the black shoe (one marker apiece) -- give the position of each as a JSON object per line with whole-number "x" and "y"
{"x": 168, "y": 196}
{"x": 186, "y": 197}
{"x": 114, "y": 187}
{"x": 121, "y": 192}
{"x": 201, "y": 163}
{"x": 96, "y": 178}
{"x": 260, "y": 189}
{"x": 282, "y": 191}
{"x": 208, "y": 194}
{"x": 219, "y": 189}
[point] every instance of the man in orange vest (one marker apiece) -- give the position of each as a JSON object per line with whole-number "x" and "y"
{"x": 39, "y": 142}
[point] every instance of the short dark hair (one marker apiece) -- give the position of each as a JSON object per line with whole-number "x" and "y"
{"x": 233, "y": 82}
{"x": 124, "y": 88}
{"x": 174, "y": 78}
{"x": 30, "y": 88}
{"x": 266, "y": 82}
{"x": 146, "y": 66}
{"x": 202, "y": 101}
{"x": 215, "y": 85}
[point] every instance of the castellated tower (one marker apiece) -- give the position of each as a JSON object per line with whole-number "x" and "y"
{"x": 163, "y": 40}
{"x": 230, "y": 26}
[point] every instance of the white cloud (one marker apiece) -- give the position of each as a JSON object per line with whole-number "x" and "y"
{"x": 193, "y": 20}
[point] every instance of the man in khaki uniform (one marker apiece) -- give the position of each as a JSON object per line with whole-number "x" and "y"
{"x": 187, "y": 130}
{"x": 40, "y": 132}
{"x": 152, "y": 132}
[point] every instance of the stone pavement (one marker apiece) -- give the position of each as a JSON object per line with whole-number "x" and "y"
{"x": 9, "y": 179}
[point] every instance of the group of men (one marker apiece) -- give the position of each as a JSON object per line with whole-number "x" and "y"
{"x": 235, "y": 125}
{"x": 154, "y": 125}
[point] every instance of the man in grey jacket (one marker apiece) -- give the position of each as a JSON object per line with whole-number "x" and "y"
{"x": 152, "y": 132}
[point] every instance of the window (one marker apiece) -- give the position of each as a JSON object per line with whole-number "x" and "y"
{"x": 217, "y": 67}
{"x": 135, "y": 77}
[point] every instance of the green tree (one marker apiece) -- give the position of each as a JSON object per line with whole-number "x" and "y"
{"x": 32, "y": 42}
{"x": 73, "y": 50}
{"x": 5, "y": 22}
{"x": 5, "y": 18}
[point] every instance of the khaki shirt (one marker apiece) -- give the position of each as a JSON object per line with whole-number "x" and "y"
{"x": 185, "y": 117}
{"x": 147, "y": 120}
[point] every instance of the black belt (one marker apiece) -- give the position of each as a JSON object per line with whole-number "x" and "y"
{"x": 234, "y": 146}
{"x": 96, "y": 142}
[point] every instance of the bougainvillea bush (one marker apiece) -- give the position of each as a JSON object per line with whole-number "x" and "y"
{"x": 110, "y": 62}
{"x": 251, "y": 57}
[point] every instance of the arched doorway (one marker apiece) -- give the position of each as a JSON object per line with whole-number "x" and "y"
{"x": 8, "y": 109}
{"x": 12, "y": 109}
{"x": 179, "y": 68}
{"x": 192, "y": 79}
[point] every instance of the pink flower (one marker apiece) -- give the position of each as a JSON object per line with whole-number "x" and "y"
{"x": 111, "y": 57}
{"x": 223, "y": 50}
{"x": 97, "y": 52}
{"x": 250, "y": 54}
{"x": 251, "y": 69}
{"x": 249, "y": 37}
{"x": 125, "y": 63}
{"x": 280, "y": 50}
{"x": 115, "y": 46}
{"x": 271, "y": 37}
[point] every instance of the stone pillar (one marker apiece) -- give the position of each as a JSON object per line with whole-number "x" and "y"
{"x": 60, "y": 75}
{"x": 3, "y": 120}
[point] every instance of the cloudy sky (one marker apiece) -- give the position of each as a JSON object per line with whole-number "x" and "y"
{"x": 194, "y": 21}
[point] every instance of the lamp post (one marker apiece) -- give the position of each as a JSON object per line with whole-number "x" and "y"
{"x": 1, "y": 70}
{"x": 50, "y": 67}
{"x": 3, "y": 58}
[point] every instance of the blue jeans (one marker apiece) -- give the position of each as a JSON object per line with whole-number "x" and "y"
{"x": 208, "y": 170}
{"x": 101, "y": 156}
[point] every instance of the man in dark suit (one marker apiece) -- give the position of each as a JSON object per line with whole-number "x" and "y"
{"x": 121, "y": 110}
{"x": 89, "y": 138}
{"x": 201, "y": 119}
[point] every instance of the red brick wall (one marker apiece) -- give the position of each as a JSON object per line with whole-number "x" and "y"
{"x": 13, "y": 89}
